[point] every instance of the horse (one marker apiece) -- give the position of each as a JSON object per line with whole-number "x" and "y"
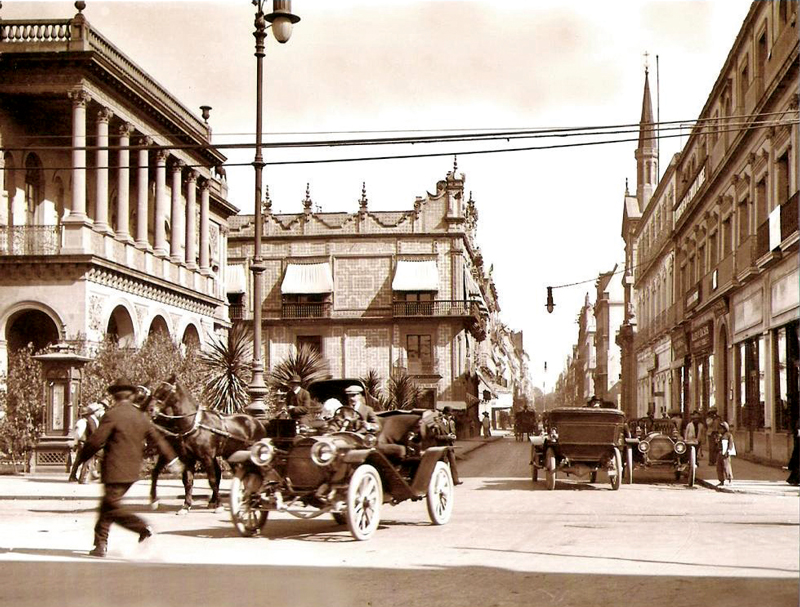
{"x": 197, "y": 435}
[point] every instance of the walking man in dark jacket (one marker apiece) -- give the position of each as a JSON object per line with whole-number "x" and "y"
{"x": 122, "y": 433}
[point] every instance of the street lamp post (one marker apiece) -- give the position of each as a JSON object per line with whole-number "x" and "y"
{"x": 282, "y": 21}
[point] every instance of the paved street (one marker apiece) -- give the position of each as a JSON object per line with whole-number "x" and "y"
{"x": 510, "y": 542}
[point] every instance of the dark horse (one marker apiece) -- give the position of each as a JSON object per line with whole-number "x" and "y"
{"x": 197, "y": 435}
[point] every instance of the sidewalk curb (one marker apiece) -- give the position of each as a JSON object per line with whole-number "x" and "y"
{"x": 741, "y": 490}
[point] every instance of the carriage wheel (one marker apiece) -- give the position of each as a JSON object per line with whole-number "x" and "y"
{"x": 692, "y": 465}
{"x": 534, "y": 467}
{"x": 616, "y": 478}
{"x": 247, "y": 516}
{"x": 364, "y": 500}
{"x": 440, "y": 494}
{"x": 550, "y": 467}
{"x": 628, "y": 467}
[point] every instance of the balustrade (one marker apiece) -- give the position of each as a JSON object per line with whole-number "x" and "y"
{"x": 30, "y": 240}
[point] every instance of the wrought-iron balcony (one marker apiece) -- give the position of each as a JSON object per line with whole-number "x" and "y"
{"x": 469, "y": 310}
{"x": 30, "y": 240}
{"x": 306, "y": 310}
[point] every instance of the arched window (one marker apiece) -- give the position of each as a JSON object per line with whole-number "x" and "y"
{"x": 34, "y": 188}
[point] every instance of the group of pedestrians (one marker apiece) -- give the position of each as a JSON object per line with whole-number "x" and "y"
{"x": 713, "y": 433}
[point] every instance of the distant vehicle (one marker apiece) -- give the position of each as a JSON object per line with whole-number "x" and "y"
{"x": 658, "y": 443}
{"x": 579, "y": 441}
{"x": 524, "y": 423}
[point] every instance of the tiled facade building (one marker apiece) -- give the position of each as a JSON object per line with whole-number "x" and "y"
{"x": 105, "y": 228}
{"x": 382, "y": 291}
{"x": 715, "y": 250}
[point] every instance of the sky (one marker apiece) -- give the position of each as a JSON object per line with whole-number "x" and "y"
{"x": 547, "y": 217}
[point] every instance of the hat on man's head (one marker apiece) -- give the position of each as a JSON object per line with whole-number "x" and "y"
{"x": 725, "y": 426}
{"x": 121, "y": 384}
{"x": 354, "y": 389}
{"x": 486, "y": 414}
{"x": 295, "y": 379}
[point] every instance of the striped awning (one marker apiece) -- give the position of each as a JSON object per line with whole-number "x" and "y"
{"x": 307, "y": 279}
{"x": 416, "y": 276}
{"x": 235, "y": 279}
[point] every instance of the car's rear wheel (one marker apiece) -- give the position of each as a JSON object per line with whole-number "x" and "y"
{"x": 692, "y": 468}
{"x": 534, "y": 467}
{"x": 550, "y": 468}
{"x": 440, "y": 494}
{"x": 615, "y": 474}
{"x": 628, "y": 466}
{"x": 364, "y": 500}
{"x": 246, "y": 515}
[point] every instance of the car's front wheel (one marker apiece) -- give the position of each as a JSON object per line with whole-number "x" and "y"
{"x": 440, "y": 494}
{"x": 246, "y": 515}
{"x": 534, "y": 466}
{"x": 615, "y": 473}
{"x": 364, "y": 501}
{"x": 628, "y": 466}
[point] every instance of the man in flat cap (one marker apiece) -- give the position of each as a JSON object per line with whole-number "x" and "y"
{"x": 122, "y": 433}
{"x": 356, "y": 399}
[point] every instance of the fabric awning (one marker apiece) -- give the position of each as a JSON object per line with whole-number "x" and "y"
{"x": 307, "y": 279}
{"x": 235, "y": 279}
{"x": 416, "y": 276}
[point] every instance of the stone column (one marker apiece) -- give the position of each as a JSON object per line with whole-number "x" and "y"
{"x": 142, "y": 184}
{"x": 205, "y": 267}
{"x": 176, "y": 215}
{"x": 191, "y": 212}
{"x": 78, "y": 208}
{"x": 101, "y": 172}
{"x": 160, "y": 237}
{"x": 123, "y": 185}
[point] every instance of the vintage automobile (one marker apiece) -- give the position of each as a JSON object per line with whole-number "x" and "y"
{"x": 579, "y": 441}
{"x": 659, "y": 444}
{"x": 345, "y": 471}
{"x": 525, "y": 422}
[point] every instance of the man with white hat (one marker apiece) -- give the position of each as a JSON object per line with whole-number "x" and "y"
{"x": 84, "y": 427}
{"x": 356, "y": 400}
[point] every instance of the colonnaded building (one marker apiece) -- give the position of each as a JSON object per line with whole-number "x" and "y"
{"x": 105, "y": 230}
{"x": 384, "y": 291}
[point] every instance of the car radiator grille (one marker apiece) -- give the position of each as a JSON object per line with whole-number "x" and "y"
{"x": 661, "y": 448}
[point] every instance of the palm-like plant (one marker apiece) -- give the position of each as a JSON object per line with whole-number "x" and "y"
{"x": 402, "y": 391}
{"x": 228, "y": 371}
{"x": 372, "y": 383}
{"x": 306, "y": 362}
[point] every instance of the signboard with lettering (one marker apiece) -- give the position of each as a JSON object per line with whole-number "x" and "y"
{"x": 690, "y": 194}
{"x": 693, "y": 297}
{"x": 703, "y": 338}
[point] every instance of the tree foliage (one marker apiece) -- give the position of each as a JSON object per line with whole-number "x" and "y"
{"x": 227, "y": 368}
{"x": 373, "y": 385}
{"x": 22, "y": 406}
{"x": 306, "y": 362}
{"x": 402, "y": 392}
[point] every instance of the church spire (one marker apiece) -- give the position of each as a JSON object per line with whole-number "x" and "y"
{"x": 647, "y": 151}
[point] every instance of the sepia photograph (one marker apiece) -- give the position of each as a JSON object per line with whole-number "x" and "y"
{"x": 399, "y": 303}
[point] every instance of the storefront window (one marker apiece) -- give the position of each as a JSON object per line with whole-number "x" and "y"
{"x": 752, "y": 378}
{"x": 786, "y": 375}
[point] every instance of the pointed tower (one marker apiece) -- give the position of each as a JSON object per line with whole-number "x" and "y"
{"x": 647, "y": 152}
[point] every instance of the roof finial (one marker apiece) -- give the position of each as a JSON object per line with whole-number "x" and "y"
{"x": 626, "y": 186}
{"x": 362, "y": 204}
{"x": 455, "y": 164}
{"x": 267, "y": 206}
{"x": 646, "y": 62}
{"x": 307, "y": 202}
{"x": 80, "y": 5}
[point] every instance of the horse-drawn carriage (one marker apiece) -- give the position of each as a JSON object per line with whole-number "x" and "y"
{"x": 344, "y": 470}
{"x": 525, "y": 422}
{"x": 580, "y": 441}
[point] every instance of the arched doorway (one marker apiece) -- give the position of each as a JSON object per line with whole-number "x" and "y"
{"x": 191, "y": 340}
{"x": 120, "y": 328}
{"x": 158, "y": 327}
{"x": 30, "y": 326}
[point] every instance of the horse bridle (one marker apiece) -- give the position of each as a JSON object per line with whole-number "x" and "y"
{"x": 196, "y": 425}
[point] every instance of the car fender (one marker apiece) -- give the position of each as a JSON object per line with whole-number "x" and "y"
{"x": 425, "y": 469}
{"x": 237, "y": 457}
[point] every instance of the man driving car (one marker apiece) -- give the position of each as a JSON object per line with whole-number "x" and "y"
{"x": 356, "y": 400}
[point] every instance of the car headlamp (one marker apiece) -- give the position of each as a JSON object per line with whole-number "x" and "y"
{"x": 323, "y": 452}
{"x": 262, "y": 452}
{"x": 680, "y": 447}
{"x": 644, "y": 446}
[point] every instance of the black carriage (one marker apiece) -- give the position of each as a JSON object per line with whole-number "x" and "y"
{"x": 659, "y": 444}
{"x": 344, "y": 470}
{"x": 579, "y": 441}
{"x": 525, "y": 423}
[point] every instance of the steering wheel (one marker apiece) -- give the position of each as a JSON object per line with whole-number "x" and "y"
{"x": 346, "y": 418}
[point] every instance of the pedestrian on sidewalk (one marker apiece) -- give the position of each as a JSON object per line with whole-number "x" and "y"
{"x": 486, "y": 424}
{"x": 84, "y": 427}
{"x": 696, "y": 430}
{"x": 122, "y": 433}
{"x": 713, "y": 433}
{"x": 794, "y": 460}
{"x": 727, "y": 449}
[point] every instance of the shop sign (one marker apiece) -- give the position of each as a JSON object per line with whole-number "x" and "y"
{"x": 703, "y": 338}
{"x": 693, "y": 297}
{"x": 687, "y": 198}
